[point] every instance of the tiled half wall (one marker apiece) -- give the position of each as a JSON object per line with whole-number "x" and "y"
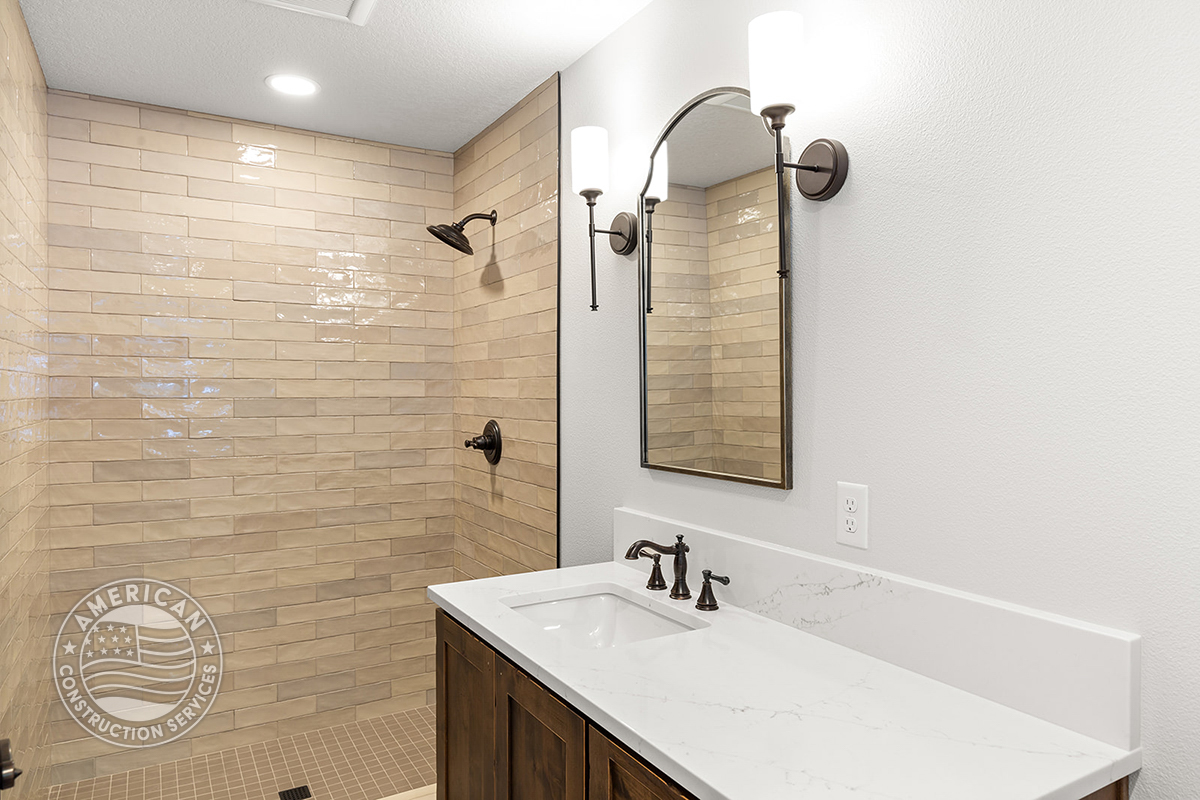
{"x": 505, "y": 341}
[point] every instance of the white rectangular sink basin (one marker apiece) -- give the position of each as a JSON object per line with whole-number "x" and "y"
{"x": 601, "y": 615}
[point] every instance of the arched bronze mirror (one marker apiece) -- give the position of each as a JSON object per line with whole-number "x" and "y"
{"x": 716, "y": 393}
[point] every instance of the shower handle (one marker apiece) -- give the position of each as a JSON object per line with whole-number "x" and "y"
{"x": 489, "y": 442}
{"x": 8, "y": 770}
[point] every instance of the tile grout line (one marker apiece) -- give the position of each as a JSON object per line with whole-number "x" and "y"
{"x": 361, "y": 760}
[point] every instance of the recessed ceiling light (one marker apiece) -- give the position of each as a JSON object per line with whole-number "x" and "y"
{"x": 292, "y": 84}
{"x": 356, "y": 11}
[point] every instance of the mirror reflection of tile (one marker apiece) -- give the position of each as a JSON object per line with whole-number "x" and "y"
{"x": 713, "y": 339}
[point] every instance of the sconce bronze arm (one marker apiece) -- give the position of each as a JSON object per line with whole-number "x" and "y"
{"x": 780, "y": 163}
{"x": 820, "y": 172}
{"x": 622, "y": 238}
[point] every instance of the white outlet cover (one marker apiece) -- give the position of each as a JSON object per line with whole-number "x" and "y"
{"x": 852, "y": 527}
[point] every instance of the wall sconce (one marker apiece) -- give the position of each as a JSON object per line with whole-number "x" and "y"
{"x": 774, "y": 91}
{"x": 589, "y": 177}
{"x": 660, "y": 177}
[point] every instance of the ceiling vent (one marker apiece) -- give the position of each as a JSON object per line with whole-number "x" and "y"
{"x": 356, "y": 11}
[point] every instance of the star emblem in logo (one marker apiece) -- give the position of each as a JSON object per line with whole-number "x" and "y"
{"x": 69, "y": 648}
{"x": 207, "y": 648}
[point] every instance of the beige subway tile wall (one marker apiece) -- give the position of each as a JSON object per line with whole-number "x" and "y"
{"x": 505, "y": 341}
{"x": 251, "y": 378}
{"x": 679, "y": 334}
{"x": 743, "y": 251}
{"x": 24, "y": 545}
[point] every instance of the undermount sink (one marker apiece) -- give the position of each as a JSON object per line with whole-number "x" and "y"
{"x": 598, "y": 616}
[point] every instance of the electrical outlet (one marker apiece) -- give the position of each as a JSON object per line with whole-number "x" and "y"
{"x": 852, "y": 514}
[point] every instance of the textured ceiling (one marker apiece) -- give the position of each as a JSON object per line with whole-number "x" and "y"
{"x": 424, "y": 73}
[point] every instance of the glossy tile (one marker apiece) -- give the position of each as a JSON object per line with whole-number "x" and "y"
{"x": 713, "y": 339}
{"x": 25, "y": 562}
{"x": 219, "y": 373}
{"x": 262, "y": 366}
{"x": 496, "y": 295}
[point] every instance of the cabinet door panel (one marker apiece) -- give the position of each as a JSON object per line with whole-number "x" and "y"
{"x": 466, "y": 714}
{"x": 617, "y": 775}
{"x": 541, "y": 750}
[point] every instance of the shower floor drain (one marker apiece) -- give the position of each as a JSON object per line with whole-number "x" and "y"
{"x": 299, "y": 793}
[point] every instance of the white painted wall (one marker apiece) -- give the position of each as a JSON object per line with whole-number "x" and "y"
{"x": 997, "y": 322}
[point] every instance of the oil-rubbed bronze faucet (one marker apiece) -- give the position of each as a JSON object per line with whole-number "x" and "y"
{"x": 708, "y": 600}
{"x": 680, "y": 550}
{"x": 656, "y": 583}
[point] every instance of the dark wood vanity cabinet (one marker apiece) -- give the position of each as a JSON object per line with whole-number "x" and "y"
{"x": 1117, "y": 791}
{"x": 616, "y": 774}
{"x": 466, "y": 718}
{"x": 504, "y": 736}
{"x": 541, "y": 744}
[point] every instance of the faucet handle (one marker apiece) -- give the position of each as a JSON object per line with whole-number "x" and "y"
{"x": 656, "y": 581}
{"x": 708, "y": 600}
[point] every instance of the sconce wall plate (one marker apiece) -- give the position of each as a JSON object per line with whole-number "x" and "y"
{"x": 832, "y": 164}
{"x": 623, "y": 234}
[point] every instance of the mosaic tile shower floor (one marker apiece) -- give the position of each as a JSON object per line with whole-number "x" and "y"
{"x": 369, "y": 760}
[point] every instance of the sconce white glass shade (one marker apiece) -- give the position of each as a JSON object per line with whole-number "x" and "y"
{"x": 661, "y": 176}
{"x": 589, "y": 160}
{"x": 775, "y": 40}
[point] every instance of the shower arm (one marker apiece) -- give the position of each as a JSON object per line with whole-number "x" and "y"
{"x": 463, "y": 222}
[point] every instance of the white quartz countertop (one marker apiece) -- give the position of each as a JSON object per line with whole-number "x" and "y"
{"x": 747, "y": 708}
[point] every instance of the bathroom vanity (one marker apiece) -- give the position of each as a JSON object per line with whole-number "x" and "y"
{"x": 581, "y": 683}
{"x": 502, "y": 734}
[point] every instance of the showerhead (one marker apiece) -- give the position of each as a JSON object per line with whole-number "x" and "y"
{"x": 453, "y": 234}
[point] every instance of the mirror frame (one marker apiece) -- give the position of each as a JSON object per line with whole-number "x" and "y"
{"x": 785, "y": 316}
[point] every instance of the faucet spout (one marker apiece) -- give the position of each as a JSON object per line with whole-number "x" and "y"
{"x": 679, "y": 550}
{"x": 635, "y": 550}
